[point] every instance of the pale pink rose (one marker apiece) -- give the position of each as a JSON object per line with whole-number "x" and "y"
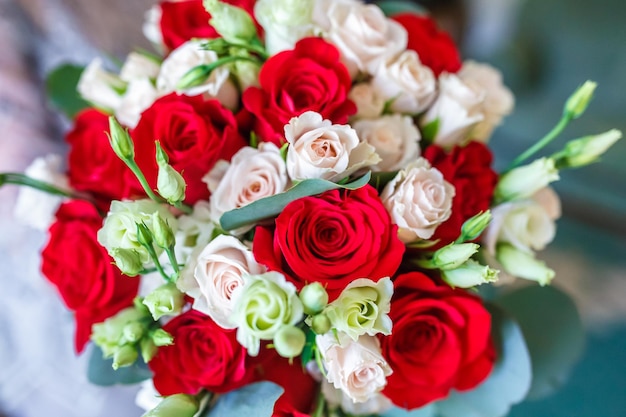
{"x": 410, "y": 86}
{"x": 219, "y": 271}
{"x": 369, "y": 105}
{"x": 376, "y": 404}
{"x": 357, "y": 368}
{"x": 320, "y": 149}
{"x": 458, "y": 108}
{"x": 499, "y": 100}
{"x": 527, "y": 224}
{"x": 364, "y": 36}
{"x": 251, "y": 175}
{"x": 394, "y": 137}
{"x": 418, "y": 200}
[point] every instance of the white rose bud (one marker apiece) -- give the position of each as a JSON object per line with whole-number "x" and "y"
{"x": 164, "y": 301}
{"x": 369, "y": 105}
{"x": 418, "y": 200}
{"x": 409, "y": 85}
{"x": 470, "y": 274}
{"x": 218, "y": 273}
{"x": 458, "y": 109}
{"x": 355, "y": 367}
{"x": 395, "y": 139}
{"x": 285, "y": 22}
{"x": 100, "y": 87}
{"x": 523, "y": 264}
{"x": 587, "y": 150}
{"x": 524, "y": 181}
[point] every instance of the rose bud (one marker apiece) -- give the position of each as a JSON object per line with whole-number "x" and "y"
{"x": 526, "y": 180}
{"x": 470, "y": 274}
{"x": 314, "y": 298}
{"x": 289, "y": 341}
{"x": 178, "y": 405}
{"x": 164, "y": 301}
{"x": 523, "y": 264}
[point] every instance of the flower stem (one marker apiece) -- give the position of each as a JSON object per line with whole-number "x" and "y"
{"x": 142, "y": 180}
{"x": 172, "y": 257}
{"x": 320, "y": 406}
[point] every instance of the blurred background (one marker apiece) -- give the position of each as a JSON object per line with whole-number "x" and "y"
{"x": 545, "y": 49}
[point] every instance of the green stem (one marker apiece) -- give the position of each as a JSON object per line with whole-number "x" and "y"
{"x": 157, "y": 264}
{"x": 543, "y": 142}
{"x": 255, "y": 48}
{"x": 172, "y": 257}
{"x": 142, "y": 180}
{"x": 184, "y": 208}
{"x": 320, "y": 405}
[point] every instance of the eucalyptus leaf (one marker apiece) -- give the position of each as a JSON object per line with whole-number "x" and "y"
{"x": 509, "y": 381}
{"x": 252, "y": 400}
{"x": 426, "y": 411}
{"x": 61, "y": 89}
{"x": 272, "y": 206}
{"x": 391, "y": 7}
{"x": 553, "y": 331}
{"x": 100, "y": 371}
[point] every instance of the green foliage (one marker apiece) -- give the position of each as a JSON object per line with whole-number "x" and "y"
{"x": 61, "y": 89}
{"x": 252, "y": 400}
{"x": 100, "y": 371}
{"x": 391, "y": 7}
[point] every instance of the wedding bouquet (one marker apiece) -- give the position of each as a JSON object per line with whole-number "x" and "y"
{"x": 291, "y": 210}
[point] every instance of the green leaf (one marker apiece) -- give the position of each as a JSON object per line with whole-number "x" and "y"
{"x": 381, "y": 179}
{"x": 272, "y": 206}
{"x": 427, "y": 411}
{"x": 553, "y": 331}
{"x": 429, "y": 131}
{"x": 252, "y": 400}
{"x": 61, "y": 89}
{"x": 391, "y": 7}
{"x": 100, "y": 371}
{"x": 309, "y": 347}
{"x": 508, "y": 383}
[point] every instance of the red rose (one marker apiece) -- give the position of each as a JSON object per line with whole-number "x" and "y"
{"x": 435, "y": 48}
{"x": 334, "y": 238}
{"x": 440, "y": 340}
{"x": 308, "y": 78}
{"x": 187, "y": 19}
{"x": 193, "y": 132}
{"x": 93, "y": 166}
{"x": 203, "y": 356}
{"x": 82, "y": 271}
{"x": 468, "y": 168}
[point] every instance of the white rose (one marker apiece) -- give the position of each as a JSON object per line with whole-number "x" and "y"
{"x": 152, "y": 26}
{"x": 369, "y": 105}
{"x": 218, "y": 273}
{"x": 37, "y": 208}
{"x": 364, "y": 36}
{"x": 355, "y": 367}
{"x": 320, "y": 149}
{"x": 138, "y": 66}
{"x": 526, "y": 224}
{"x": 285, "y": 22}
{"x": 499, "y": 100}
{"x": 376, "y": 404}
{"x": 252, "y": 174}
{"x": 458, "y": 109}
{"x": 138, "y": 97}
{"x": 418, "y": 200}
{"x": 188, "y": 56}
{"x": 410, "y": 86}
{"x": 193, "y": 234}
{"x": 100, "y": 87}
{"x": 394, "y": 137}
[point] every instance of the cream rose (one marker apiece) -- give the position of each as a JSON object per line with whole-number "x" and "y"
{"x": 376, "y": 404}
{"x": 194, "y": 233}
{"x": 139, "y": 66}
{"x": 499, "y": 100}
{"x": 252, "y": 174}
{"x": 357, "y": 368}
{"x": 140, "y": 94}
{"x": 458, "y": 108}
{"x": 218, "y": 273}
{"x": 418, "y": 200}
{"x": 364, "y": 36}
{"x": 369, "y": 105}
{"x": 410, "y": 86}
{"x": 320, "y": 149}
{"x": 285, "y": 22}
{"x": 100, "y": 87}
{"x": 151, "y": 27}
{"x": 525, "y": 224}
{"x": 394, "y": 137}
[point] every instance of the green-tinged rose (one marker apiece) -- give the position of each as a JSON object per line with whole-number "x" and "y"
{"x": 109, "y": 335}
{"x": 233, "y": 23}
{"x": 362, "y": 308}
{"x": 470, "y": 274}
{"x": 128, "y": 261}
{"x": 285, "y": 22}
{"x": 289, "y": 341}
{"x": 178, "y": 405}
{"x": 577, "y": 103}
{"x": 166, "y": 300}
{"x": 314, "y": 298}
{"x": 586, "y": 150}
{"x": 523, "y": 264}
{"x": 453, "y": 256}
{"x": 263, "y": 305}
{"x": 125, "y": 356}
{"x": 526, "y": 180}
{"x": 120, "y": 226}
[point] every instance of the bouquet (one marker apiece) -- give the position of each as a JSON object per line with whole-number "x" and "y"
{"x": 291, "y": 210}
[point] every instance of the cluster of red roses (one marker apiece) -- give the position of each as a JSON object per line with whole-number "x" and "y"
{"x": 441, "y": 336}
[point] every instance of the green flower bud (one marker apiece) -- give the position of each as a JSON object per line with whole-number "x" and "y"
{"x": 133, "y": 332}
{"x": 362, "y": 308}
{"x": 289, "y": 341}
{"x": 166, "y": 300}
{"x": 473, "y": 227}
{"x": 264, "y": 305}
{"x": 586, "y": 150}
{"x": 233, "y": 23}
{"x": 163, "y": 234}
{"x": 178, "y": 405}
{"x": 125, "y": 356}
{"x": 320, "y": 324}
{"x": 161, "y": 156}
{"x": 162, "y": 338}
{"x": 314, "y": 298}
{"x": 170, "y": 184}
{"x": 577, "y": 103}
{"x": 120, "y": 140}
{"x": 109, "y": 335}
{"x": 470, "y": 274}
{"x": 452, "y": 256}
{"x": 526, "y": 180}
{"x": 194, "y": 77}
{"x": 128, "y": 261}
{"x": 144, "y": 235}
{"x": 148, "y": 349}
{"x": 523, "y": 264}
